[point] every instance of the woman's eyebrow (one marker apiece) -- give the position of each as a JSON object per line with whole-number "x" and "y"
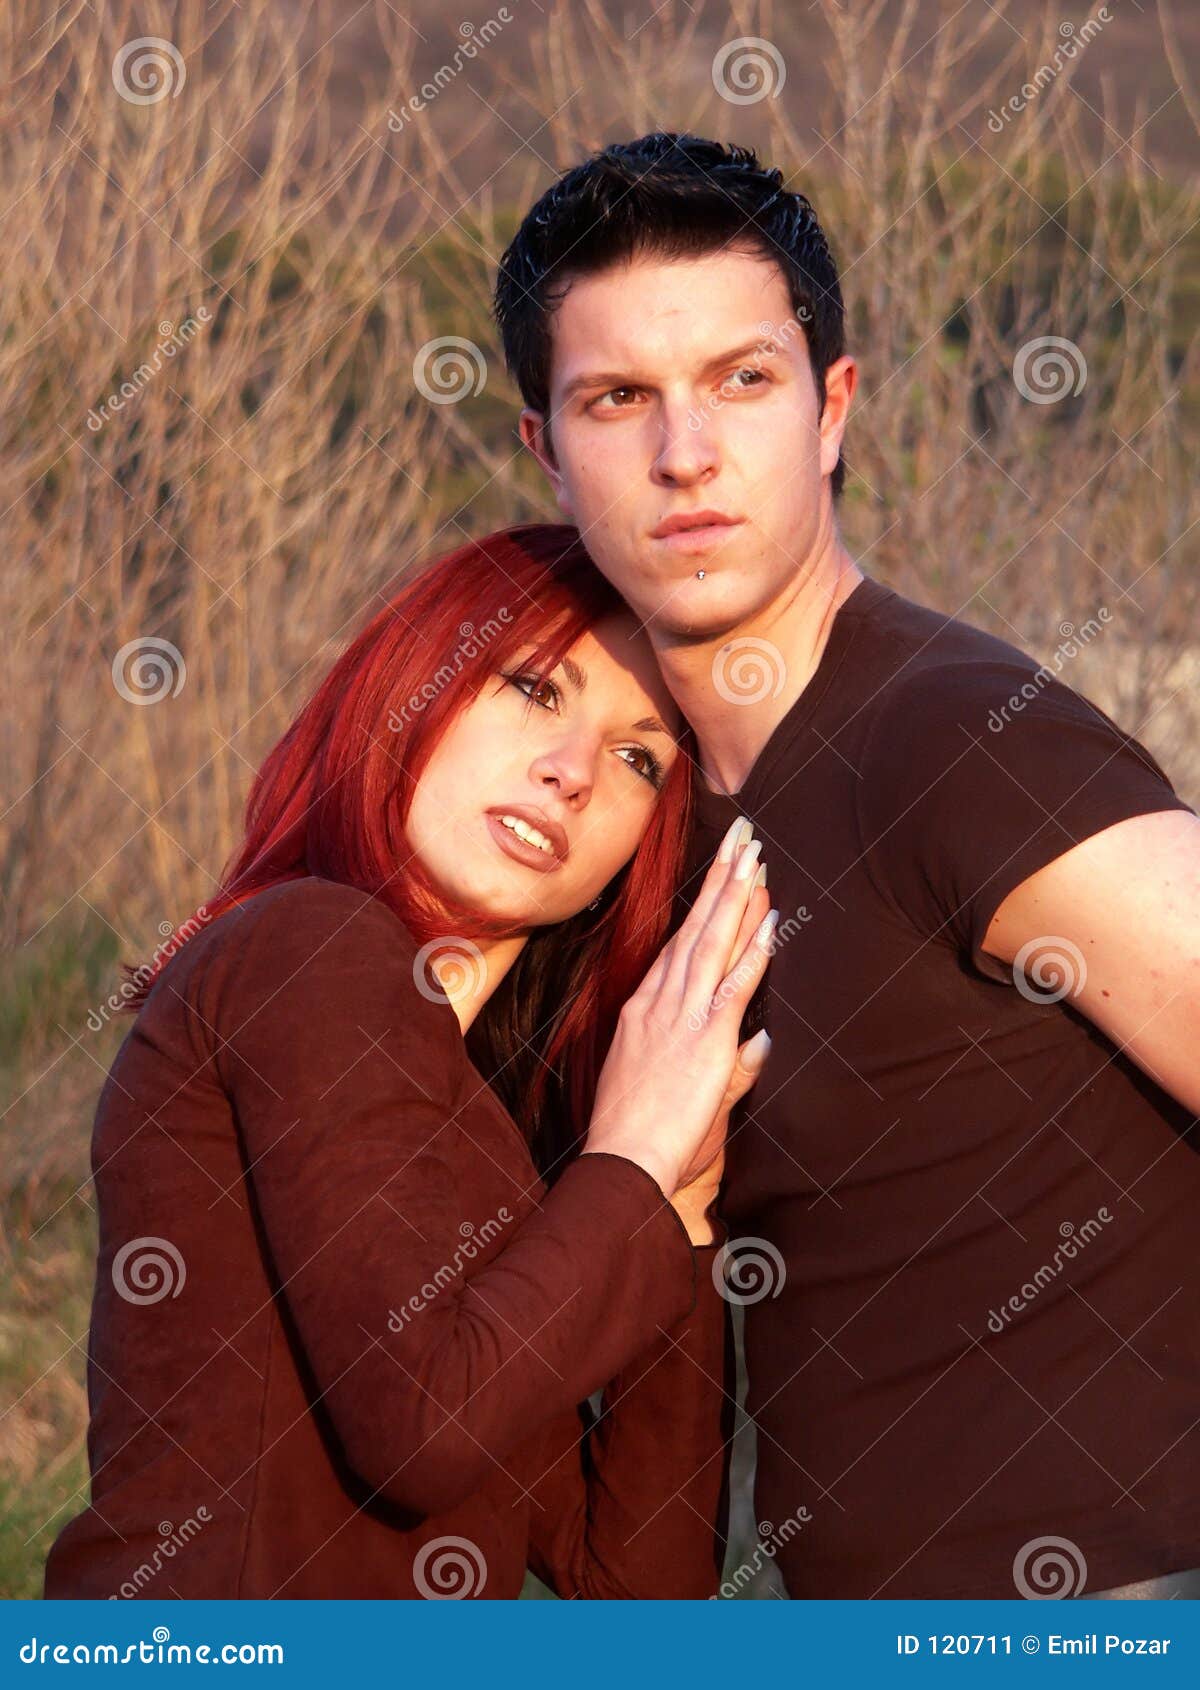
{"x": 578, "y": 679}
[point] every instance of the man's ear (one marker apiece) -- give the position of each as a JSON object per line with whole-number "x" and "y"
{"x": 535, "y": 433}
{"x": 841, "y": 378}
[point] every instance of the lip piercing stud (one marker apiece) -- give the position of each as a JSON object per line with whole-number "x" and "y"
{"x": 699, "y": 575}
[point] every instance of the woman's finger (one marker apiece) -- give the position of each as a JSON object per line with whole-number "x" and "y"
{"x": 693, "y": 923}
{"x": 699, "y": 968}
{"x": 739, "y": 833}
{"x": 734, "y": 992}
{"x": 751, "y": 1059}
{"x": 758, "y": 905}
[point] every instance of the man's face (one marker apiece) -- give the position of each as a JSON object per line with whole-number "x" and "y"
{"x": 679, "y": 386}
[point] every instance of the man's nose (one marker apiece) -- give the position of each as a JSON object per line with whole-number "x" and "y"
{"x": 688, "y": 449}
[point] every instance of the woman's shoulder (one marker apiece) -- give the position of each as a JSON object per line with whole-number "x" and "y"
{"x": 307, "y": 944}
{"x": 310, "y": 902}
{"x": 310, "y": 906}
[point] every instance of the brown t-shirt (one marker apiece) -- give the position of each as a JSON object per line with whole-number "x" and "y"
{"x": 357, "y": 1369}
{"x": 981, "y": 1329}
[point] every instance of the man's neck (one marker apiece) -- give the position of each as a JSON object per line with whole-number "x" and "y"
{"x": 717, "y": 682}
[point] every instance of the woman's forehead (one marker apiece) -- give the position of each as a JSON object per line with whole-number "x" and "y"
{"x": 617, "y": 652}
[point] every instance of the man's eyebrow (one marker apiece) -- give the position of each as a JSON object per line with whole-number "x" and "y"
{"x": 622, "y": 378}
{"x": 578, "y": 679}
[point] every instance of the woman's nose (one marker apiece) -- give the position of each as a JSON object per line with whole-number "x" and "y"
{"x": 569, "y": 769}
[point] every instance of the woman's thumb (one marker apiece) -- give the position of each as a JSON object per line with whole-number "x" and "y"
{"x": 751, "y": 1058}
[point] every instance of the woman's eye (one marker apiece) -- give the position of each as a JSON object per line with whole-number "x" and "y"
{"x": 532, "y": 685}
{"x": 648, "y": 766}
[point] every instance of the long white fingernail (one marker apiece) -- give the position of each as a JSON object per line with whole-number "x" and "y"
{"x": 738, "y": 830}
{"x": 766, "y": 928}
{"x": 756, "y": 1051}
{"x": 760, "y": 879}
{"x": 747, "y": 860}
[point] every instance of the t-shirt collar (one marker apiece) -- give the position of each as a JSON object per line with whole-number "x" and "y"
{"x": 716, "y": 810}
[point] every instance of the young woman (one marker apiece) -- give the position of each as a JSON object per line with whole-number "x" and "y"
{"x": 411, "y": 1145}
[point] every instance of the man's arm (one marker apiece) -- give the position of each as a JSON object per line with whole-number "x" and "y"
{"x": 1128, "y": 899}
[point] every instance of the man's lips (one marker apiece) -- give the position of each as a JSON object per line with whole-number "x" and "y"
{"x": 690, "y": 521}
{"x": 692, "y": 532}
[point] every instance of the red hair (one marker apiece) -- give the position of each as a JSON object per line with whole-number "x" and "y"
{"x": 332, "y": 797}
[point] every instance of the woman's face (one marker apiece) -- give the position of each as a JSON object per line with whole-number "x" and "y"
{"x": 578, "y": 770}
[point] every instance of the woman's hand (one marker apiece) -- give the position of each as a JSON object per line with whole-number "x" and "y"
{"x": 693, "y": 1201}
{"x": 671, "y": 1075}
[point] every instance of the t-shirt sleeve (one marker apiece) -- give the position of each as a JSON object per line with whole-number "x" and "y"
{"x": 975, "y": 775}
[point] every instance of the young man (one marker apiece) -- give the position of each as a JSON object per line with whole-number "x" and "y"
{"x": 969, "y": 1166}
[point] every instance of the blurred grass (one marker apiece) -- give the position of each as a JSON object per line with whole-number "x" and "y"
{"x": 45, "y": 1298}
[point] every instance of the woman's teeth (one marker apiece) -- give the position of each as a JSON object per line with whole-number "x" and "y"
{"x": 529, "y": 834}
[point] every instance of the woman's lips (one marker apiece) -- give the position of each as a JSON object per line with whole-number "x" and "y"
{"x": 519, "y": 849}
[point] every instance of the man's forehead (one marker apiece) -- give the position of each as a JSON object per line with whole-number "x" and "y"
{"x": 677, "y": 285}
{"x": 595, "y": 332}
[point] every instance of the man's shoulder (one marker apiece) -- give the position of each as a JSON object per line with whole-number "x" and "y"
{"x": 912, "y": 665}
{"x": 916, "y": 646}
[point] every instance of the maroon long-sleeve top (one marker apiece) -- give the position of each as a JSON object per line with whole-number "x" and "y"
{"x": 343, "y": 1334}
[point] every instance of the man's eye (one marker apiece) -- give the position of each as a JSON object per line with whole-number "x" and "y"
{"x": 747, "y": 370}
{"x": 609, "y": 395}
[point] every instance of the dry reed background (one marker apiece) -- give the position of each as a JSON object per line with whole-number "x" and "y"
{"x": 251, "y": 206}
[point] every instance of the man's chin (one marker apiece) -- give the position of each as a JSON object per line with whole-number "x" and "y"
{"x": 696, "y": 613}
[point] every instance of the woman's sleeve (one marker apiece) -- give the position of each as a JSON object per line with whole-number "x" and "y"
{"x": 352, "y": 1097}
{"x": 634, "y": 1502}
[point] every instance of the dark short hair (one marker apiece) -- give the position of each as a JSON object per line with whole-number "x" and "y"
{"x": 679, "y": 196}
